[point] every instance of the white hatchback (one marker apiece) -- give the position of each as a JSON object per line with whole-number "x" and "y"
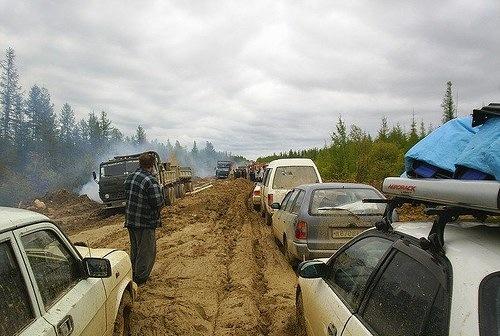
{"x": 50, "y": 287}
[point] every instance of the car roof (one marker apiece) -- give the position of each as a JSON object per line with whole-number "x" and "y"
{"x": 314, "y": 186}
{"x": 290, "y": 162}
{"x": 11, "y": 218}
{"x": 462, "y": 240}
{"x": 473, "y": 250}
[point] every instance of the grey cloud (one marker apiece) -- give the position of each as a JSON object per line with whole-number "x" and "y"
{"x": 256, "y": 77}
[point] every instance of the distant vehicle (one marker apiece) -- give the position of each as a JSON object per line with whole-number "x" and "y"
{"x": 315, "y": 220}
{"x": 224, "y": 169}
{"x": 175, "y": 180}
{"x": 400, "y": 279}
{"x": 280, "y": 177}
{"x": 256, "y": 195}
{"x": 50, "y": 287}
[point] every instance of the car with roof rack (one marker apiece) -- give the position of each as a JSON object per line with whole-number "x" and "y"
{"x": 49, "y": 287}
{"x": 414, "y": 278}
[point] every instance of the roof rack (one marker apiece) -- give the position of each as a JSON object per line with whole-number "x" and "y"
{"x": 480, "y": 116}
{"x": 446, "y": 199}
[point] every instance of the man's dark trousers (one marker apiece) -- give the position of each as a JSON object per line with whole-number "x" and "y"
{"x": 142, "y": 252}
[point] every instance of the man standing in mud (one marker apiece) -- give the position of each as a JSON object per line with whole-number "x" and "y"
{"x": 142, "y": 217}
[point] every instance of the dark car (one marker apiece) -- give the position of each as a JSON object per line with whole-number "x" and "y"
{"x": 315, "y": 220}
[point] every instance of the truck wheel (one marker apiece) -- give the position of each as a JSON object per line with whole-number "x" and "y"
{"x": 122, "y": 321}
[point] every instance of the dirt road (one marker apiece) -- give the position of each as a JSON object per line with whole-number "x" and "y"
{"x": 218, "y": 270}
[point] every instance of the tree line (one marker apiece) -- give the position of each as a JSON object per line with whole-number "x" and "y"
{"x": 43, "y": 148}
{"x": 353, "y": 155}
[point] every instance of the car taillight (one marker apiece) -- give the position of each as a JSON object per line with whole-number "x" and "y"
{"x": 269, "y": 199}
{"x": 301, "y": 230}
{"x": 256, "y": 192}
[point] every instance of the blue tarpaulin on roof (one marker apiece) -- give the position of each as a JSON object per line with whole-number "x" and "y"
{"x": 482, "y": 153}
{"x": 442, "y": 147}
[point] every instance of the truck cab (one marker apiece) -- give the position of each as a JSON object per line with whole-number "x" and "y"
{"x": 224, "y": 169}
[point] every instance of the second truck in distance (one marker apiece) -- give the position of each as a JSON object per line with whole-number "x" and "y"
{"x": 174, "y": 179}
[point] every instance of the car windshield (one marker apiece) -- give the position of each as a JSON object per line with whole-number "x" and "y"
{"x": 326, "y": 201}
{"x": 119, "y": 168}
{"x": 293, "y": 176}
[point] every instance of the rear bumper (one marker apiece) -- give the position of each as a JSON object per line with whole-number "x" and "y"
{"x": 256, "y": 200}
{"x": 302, "y": 252}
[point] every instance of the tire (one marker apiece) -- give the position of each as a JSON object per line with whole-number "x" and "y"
{"x": 269, "y": 219}
{"x": 182, "y": 190}
{"x": 262, "y": 212}
{"x": 290, "y": 258}
{"x": 256, "y": 207}
{"x": 299, "y": 314}
{"x": 165, "y": 196}
{"x": 122, "y": 321}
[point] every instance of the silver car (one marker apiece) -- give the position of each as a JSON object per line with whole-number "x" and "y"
{"x": 314, "y": 220}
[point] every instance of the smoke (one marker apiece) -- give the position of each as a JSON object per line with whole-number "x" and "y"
{"x": 91, "y": 189}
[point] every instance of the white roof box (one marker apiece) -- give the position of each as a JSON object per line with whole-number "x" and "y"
{"x": 480, "y": 195}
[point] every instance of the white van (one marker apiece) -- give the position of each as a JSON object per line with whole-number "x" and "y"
{"x": 283, "y": 175}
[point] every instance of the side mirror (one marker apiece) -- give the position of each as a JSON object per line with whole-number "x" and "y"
{"x": 312, "y": 269}
{"x": 276, "y": 206}
{"x": 96, "y": 267}
{"x": 94, "y": 175}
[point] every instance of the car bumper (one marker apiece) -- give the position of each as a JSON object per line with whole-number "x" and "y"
{"x": 115, "y": 204}
{"x": 302, "y": 252}
{"x": 256, "y": 200}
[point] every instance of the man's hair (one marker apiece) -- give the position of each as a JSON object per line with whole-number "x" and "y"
{"x": 146, "y": 160}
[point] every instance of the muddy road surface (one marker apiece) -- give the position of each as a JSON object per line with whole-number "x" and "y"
{"x": 218, "y": 270}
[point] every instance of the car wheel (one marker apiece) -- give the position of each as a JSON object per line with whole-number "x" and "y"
{"x": 299, "y": 314}
{"x": 290, "y": 258}
{"x": 122, "y": 321}
{"x": 269, "y": 218}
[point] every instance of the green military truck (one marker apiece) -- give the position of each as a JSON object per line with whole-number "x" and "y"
{"x": 175, "y": 180}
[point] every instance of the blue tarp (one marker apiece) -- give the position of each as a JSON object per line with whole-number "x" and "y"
{"x": 483, "y": 151}
{"x": 442, "y": 147}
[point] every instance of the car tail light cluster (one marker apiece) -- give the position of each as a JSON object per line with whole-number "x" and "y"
{"x": 301, "y": 230}
{"x": 269, "y": 199}
{"x": 256, "y": 192}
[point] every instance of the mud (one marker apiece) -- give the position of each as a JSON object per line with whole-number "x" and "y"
{"x": 217, "y": 272}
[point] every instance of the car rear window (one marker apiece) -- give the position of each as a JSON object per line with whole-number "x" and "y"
{"x": 326, "y": 201}
{"x": 293, "y": 176}
{"x": 489, "y": 305}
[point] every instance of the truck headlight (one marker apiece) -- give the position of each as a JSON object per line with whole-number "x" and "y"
{"x": 106, "y": 196}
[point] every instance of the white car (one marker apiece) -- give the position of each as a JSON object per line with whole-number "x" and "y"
{"x": 280, "y": 177}
{"x": 256, "y": 196}
{"x": 412, "y": 278}
{"x": 50, "y": 287}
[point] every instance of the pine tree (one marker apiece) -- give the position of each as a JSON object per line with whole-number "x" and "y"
{"x": 383, "y": 133}
{"x": 67, "y": 124}
{"x": 449, "y": 109}
{"x": 140, "y": 136}
{"x": 9, "y": 91}
{"x": 41, "y": 119}
{"x": 105, "y": 126}
{"x": 413, "y": 136}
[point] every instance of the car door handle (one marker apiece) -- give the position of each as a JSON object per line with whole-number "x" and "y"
{"x": 332, "y": 331}
{"x": 66, "y": 326}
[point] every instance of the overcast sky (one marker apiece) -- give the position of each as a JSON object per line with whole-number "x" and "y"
{"x": 256, "y": 77}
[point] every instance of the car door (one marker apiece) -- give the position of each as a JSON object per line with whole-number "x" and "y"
{"x": 277, "y": 215}
{"x": 330, "y": 301}
{"x": 63, "y": 295}
{"x": 265, "y": 188}
{"x": 290, "y": 217}
{"x": 19, "y": 313}
{"x": 284, "y": 215}
{"x": 409, "y": 298}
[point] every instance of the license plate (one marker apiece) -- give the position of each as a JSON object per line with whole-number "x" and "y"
{"x": 336, "y": 232}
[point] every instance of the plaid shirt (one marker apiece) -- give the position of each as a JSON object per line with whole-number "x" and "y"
{"x": 144, "y": 200}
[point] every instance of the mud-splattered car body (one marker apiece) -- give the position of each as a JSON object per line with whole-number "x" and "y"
{"x": 51, "y": 287}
